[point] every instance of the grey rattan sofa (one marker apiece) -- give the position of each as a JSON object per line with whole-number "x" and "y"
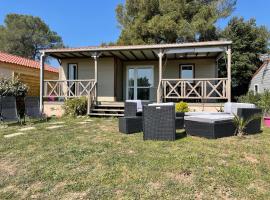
{"x": 159, "y": 122}
{"x": 216, "y": 125}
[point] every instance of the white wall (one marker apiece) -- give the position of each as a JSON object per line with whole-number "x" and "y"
{"x": 262, "y": 79}
{"x": 86, "y": 71}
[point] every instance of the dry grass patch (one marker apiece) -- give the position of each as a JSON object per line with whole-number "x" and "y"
{"x": 75, "y": 196}
{"x": 185, "y": 177}
{"x": 251, "y": 158}
{"x": 7, "y": 168}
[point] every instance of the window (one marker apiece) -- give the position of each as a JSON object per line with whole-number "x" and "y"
{"x": 256, "y": 88}
{"x": 187, "y": 72}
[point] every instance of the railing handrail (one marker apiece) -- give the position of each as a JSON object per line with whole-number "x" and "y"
{"x": 200, "y": 88}
{"x": 195, "y": 79}
{"x": 68, "y": 80}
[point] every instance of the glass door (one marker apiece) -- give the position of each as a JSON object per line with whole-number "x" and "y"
{"x": 139, "y": 82}
{"x": 72, "y": 75}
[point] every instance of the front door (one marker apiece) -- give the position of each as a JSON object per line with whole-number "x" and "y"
{"x": 72, "y": 75}
{"x": 139, "y": 81}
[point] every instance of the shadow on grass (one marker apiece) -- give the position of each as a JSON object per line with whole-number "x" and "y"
{"x": 180, "y": 134}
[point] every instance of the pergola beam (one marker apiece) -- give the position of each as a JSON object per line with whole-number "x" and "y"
{"x": 127, "y": 58}
{"x": 136, "y": 58}
{"x": 144, "y": 56}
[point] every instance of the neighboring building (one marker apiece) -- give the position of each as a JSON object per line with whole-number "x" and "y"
{"x": 261, "y": 79}
{"x": 27, "y": 70}
{"x": 162, "y": 72}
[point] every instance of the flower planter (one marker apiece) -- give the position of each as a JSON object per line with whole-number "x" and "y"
{"x": 267, "y": 121}
{"x": 179, "y": 120}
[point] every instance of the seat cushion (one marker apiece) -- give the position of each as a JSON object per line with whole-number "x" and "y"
{"x": 231, "y": 107}
{"x": 210, "y": 118}
{"x": 203, "y": 113}
{"x": 161, "y": 104}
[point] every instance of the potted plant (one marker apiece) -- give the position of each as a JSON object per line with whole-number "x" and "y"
{"x": 264, "y": 104}
{"x": 180, "y": 108}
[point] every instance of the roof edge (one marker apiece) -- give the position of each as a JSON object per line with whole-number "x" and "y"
{"x": 139, "y": 47}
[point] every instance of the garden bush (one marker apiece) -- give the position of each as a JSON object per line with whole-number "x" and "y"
{"x": 260, "y": 100}
{"x": 181, "y": 107}
{"x": 75, "y": 106}
{"x": 13, "y": 87}
{"x": 250, "y": 97}
{"x": 264, "y": 102}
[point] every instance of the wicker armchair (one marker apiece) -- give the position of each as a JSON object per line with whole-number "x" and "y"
{"x": 130, "y": 109}
{"x": 9, "y": 109}
{"x": 159, "y": 122}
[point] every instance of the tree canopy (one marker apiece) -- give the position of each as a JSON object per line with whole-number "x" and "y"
{"x": 163, "y": 21}
{"x": 249, "y": 42}
{"x": 25, "y": 35}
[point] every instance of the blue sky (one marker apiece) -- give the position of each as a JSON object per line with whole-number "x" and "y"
{"x": 91, "y": 22}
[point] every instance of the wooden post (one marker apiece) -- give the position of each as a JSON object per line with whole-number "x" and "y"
{"x": 96, "y": 56}
{"x": 41, "y": 84}
{"x": 229, "y": 72}
{"x": 160, "y": 55}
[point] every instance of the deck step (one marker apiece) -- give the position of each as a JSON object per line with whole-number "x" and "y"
{"x": 107, "y": 110}
{"x": 111, "y": 105}
{"x": 106, "y": 114}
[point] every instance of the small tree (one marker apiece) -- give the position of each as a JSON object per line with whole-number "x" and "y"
{"x": 241, "y": 123}
{"x": 249, "y": 42}
{"x": 25, "y": 35}
{"x": 163, "y": 21}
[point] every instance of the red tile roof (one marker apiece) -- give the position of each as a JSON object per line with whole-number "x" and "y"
{"x": 12, "y": 59}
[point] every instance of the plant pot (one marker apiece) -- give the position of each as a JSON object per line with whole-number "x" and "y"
{"x": 179, "y": 114}
{"x": 267, "y": 121}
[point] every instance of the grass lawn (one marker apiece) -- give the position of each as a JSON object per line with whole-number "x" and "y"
{"x": 95, "y": 161}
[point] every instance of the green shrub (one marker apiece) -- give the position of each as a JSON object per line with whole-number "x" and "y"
{"x": 264, "y": 102}
{"x": 250, "y": 97}
{"x": 76, "y": 106}
{"x": 181, "y": 107}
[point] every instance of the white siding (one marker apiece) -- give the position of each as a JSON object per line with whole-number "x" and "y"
{"x": 262, "y": 79}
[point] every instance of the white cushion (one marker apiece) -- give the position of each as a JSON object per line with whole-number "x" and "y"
{"x": 161, "y": 104}
{"x": 139, "y": 104}
{"x": 202, "y": 113}
{"x": 209, "y": 118}
{"x": 231, "y": 108}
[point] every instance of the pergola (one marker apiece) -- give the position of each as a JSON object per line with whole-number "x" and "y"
{"x": 212, "y": 49}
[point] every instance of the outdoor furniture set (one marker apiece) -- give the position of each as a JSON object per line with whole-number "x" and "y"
{"x": 159, "y": 121}
{"x": 9, "y": 111}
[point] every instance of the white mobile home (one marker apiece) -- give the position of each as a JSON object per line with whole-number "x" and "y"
{"x": 161, "y": 72}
